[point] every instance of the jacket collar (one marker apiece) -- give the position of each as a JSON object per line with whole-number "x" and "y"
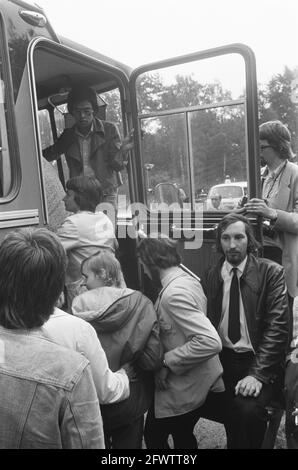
{"x": 173, "y": 274}
{"x": 248, "y": 276}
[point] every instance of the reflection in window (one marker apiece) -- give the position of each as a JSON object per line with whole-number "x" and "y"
{"x": 219, "y": 153}
{"x": 192, "y": 119}
{"x": 164, "y": 151}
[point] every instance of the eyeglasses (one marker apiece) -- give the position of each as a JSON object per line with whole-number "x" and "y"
{"x": 263, "y": 147}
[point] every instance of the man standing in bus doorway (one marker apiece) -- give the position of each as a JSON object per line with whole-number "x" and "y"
{"x": 92, "y": 147}
{"x": 247, "y": 304}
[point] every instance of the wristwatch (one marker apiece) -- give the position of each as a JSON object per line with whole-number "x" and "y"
{"x": 274, "y": 219}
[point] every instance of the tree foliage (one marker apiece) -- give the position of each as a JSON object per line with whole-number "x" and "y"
{"x": 275, "y": 102}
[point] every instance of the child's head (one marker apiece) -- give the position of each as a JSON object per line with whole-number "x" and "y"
{"x": 101, "y": 269}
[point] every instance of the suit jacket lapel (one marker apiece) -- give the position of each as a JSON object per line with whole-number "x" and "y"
{"x": 281, "y": 200}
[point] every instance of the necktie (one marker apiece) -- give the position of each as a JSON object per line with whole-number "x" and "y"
{"x": 234, "y": 307}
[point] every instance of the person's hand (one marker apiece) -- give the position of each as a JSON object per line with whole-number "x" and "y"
{"x": 259, "y": 207}
{"x": 161, "y": 378}
{"x": 127, "y": 142}
{"x": 248, "y": 387}
{"x": 130, "y": 371}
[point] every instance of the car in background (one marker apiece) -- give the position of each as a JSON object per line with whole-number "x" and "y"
{"x": 231, "y": 194}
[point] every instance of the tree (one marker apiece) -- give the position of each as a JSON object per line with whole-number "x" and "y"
{"x": 275, "y": 102}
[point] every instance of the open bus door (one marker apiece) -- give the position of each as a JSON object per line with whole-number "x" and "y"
{"x": 196, "y": 124}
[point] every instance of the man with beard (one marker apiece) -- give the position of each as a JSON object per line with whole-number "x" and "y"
{"x": 247, "y": 303}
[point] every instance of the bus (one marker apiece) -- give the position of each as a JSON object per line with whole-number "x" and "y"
{"x": 190, "y": 131}
{"x": 194, "y": 126}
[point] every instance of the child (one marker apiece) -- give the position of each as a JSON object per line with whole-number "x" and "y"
{"x": 126, "y": 324}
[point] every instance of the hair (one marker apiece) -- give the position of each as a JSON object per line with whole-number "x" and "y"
{"x": 106, "y": 266}
{"x": 279, "y": 137}
{"x": 88, "y": 192}
{"x": 78, "y": 94}
{"x": 158, "y": 251}
{"x": 33, "y": 264}
{"x": 229, "y": 219}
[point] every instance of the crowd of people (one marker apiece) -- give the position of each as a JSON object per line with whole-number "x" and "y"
{"x": 87, "y": 362}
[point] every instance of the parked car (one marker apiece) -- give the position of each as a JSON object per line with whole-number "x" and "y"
{"x": 229, "y": 193}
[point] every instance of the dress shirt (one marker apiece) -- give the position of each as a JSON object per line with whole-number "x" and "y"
{"x": 85, "y": 148}
{"x": 244, "y": 344}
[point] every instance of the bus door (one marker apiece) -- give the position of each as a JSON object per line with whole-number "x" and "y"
{"x": 54, "y": 70}
{"x": 196, "y": 125}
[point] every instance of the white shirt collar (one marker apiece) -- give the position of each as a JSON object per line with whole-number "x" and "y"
{"x": 240, "y": 267}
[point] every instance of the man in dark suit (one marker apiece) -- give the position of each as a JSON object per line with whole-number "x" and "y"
{"x": 247, "y": 304}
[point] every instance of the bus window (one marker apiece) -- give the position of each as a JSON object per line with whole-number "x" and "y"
{"x": 193, "y": 127}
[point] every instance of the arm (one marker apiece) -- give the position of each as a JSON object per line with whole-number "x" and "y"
{"x": 81, "y": 424}
{"x": 152, "y": 355}
{"x": 58, "y": 148}
{"x": 273, "y": 343}
{"x": 118, "y": 149}
{"x": 284, "y": 221}
{"x": 202, "y": 340}
{"x": 111, "y": 386}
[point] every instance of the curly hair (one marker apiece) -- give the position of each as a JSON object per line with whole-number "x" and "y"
{"x": 78, "y": 94}
{"x": 33, "y": 264}
{"x": 279, "y": 137}
{"x": 88, "y": 192}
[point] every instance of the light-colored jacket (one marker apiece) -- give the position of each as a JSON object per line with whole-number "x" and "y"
{"x": 191, "y": 346}
{"x": 48, "y": 398}
{"x": 77, "y": 334}
{"x": 286, "y": 204}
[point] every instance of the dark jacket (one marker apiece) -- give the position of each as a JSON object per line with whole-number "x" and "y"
{"x": 265, "y": 303}
{"x": 105, "y": 155}
{"x": 126, "y": 325}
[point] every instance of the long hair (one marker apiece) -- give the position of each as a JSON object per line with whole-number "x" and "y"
{"x": 78, "y": 94}
{"x": 88, "y": 192}
{"x": 106, "y": 266}
{"x": 158, "y": 251}
{"x": 32, "y": 275}
{"x": 279, "y": 137}
{"x": 252, "y": 244}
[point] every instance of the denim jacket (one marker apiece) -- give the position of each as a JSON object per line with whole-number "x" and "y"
{"x": 48, "y": 398}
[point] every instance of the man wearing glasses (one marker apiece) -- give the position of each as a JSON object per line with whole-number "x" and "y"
{"x": 92, "y": 147}
{"x": 279, "y": 203}
{"x": 279, "y": 208}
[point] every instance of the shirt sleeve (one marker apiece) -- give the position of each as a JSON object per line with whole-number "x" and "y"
{"x": 202, "y": 340}
{"x": 111, "y": 386}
